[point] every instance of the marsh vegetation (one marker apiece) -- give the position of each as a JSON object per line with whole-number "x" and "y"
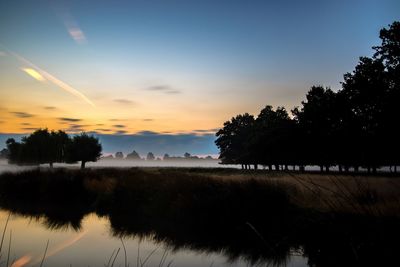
{"x": 258, "y": 216}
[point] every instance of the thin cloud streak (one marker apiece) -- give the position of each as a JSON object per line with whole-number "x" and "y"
{"x": 21, "y": 114}
{"x": 36, "y": 75}
{"x": 54, "y": 80}
{"x": 163, "y": 88}
{"x": 72, "y": 27}
{"x": 124, "y": 101}
{"x": 69, "y": 119}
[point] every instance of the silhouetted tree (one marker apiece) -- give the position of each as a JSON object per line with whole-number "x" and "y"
{"x": 166, "y": 157}
{"x": 4, "y": 153}
{"x": 150, "y": 156}
{"x": 271, "y": 142}
{"x": 133, "y": 156}
{"x": 39, "y": 147}
{"x": 84, "y": 148}
{"x": 59, "y": 141}
{"x": 318, "y": 118}
{"x": 119, "y": 155}
{"x": 14, "y": 149}
{"x": 356, "y": 126}
{"x": 187, "y": 155}
{"x": 233, "y": 138}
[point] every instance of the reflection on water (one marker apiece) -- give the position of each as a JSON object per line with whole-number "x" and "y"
{"x": 93, "y": 244}
{"x": 192, "y": 219}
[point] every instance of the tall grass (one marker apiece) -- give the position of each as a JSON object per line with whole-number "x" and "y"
{"x": 257, "y": 216}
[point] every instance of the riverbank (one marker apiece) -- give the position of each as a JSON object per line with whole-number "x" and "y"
{"x": 259, "y": 216}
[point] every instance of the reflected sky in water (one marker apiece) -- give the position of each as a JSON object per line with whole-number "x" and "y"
{"x": 93, "y": 245}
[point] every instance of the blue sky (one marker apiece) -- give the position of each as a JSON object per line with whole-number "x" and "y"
{"x": 173, "y": 67}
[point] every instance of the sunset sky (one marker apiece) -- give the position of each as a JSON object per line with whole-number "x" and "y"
{"x": 172, "y": 67}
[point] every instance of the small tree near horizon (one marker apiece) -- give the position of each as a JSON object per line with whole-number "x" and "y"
{"x": 150, "y": 156}
{"x": 119, "y": 155}
{"x": 133, "y": 156}
{"x": 84, "y": 148}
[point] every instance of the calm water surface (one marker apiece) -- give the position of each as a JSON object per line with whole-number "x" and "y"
{"x": 93, "y": 244}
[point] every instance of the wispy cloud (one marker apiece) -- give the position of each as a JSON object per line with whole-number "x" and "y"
{"x": 21, "y": 114}
{"x": 33, "y": 73}
{"x": 25, "y": 123}
{"x": 72, "y": 27}
{"x": 173, "y": 92}
{"x": 120, "y": 132}
{"x": 163, "y": 88}
{"x": 29, "y": 128}
{"x": 148, "y": 120}
{"x": 119, "y": 126}
{"x": 147, "y": 133}
{"x": 69, "y": 119}
{"x": 50, "y": 108}
{"x": 124, "y": 101}
{"x": 158, "y": 88}
{"x": 42, "y": 75}
{"x": 213, "y": 130}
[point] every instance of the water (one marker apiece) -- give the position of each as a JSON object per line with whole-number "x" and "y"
{"x": 94, "y": 243}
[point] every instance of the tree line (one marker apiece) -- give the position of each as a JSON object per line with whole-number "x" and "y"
{"x": 355, "y": 127}
{"x": 151, "y": 157}
{"x": 48, "y": 147}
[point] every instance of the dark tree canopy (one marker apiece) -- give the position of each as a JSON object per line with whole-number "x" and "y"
{"x": 150, "y": 156}
{"x": 84, "y": 148}
{"x": 232, "y": 139}
{"x": 40, "y": 147}
{"x": 119, "y": 155}
{"x": 356, "y": 126}
{"x": 133, "y": 156}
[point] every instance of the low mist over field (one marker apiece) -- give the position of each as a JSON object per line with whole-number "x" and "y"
{"x": 143, "y": 143}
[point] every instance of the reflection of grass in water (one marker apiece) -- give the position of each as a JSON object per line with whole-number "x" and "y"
{"x": 254, "y": 215}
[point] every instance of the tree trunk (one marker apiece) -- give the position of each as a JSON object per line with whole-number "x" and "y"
{"x": 83, "y": 164}
{"x": 374, "y": 170}
{"x": 294, "y": 167}
{"x": 242, "y": 167}
{"x": 302, "y": 169}
{"x": 340, "y": 168}
{"x": 276, "y": 167}
{"x": 286, "y": 168}
{"x": 255, "y": 166}
{"x": 327, "y": 168}
{"x": 51, "y": 165}
{"x": 356, "y": 168}
{"x": 321, "y": 168}
{"x": 395, "y": 168}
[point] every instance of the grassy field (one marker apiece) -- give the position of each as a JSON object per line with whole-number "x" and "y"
{"x": 257, "y": 215}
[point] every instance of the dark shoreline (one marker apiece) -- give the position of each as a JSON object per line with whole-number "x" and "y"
{"x": 254, "y": 218}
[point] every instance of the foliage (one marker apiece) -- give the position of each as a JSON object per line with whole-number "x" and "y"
{"x": 84, "y": 148}
{"x": 43, "y": 146}
{"x": 356, "y": 126}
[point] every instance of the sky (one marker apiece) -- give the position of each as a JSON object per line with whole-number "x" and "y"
{"x": 173, "y": 68}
